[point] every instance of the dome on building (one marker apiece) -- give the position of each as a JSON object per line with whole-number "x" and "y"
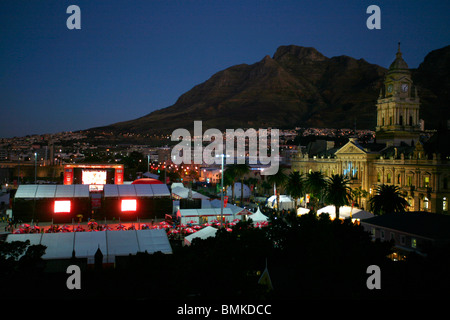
{"x": 399, "y": 64}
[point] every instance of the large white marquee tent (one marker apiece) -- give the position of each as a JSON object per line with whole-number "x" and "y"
{"x": 85, "y": 244}
{"x": 204, "y": 233}
{"x": 346, "y": 212}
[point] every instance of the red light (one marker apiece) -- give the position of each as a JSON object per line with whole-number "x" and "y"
{"x": 62, "y": 206}
{"x": 129, "y": 205}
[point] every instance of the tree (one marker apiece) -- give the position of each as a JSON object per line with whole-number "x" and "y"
{"x": 277, "y": 180}
{"x": 388, "y": 199}
{"x": 359, "y": 193}
{"x": 295, "y": 185}
{"x": 230, "y": 175}
{"x": 338, "y": 192}
{"x": 316, "y": 184}
{"x": 241, "y": 171}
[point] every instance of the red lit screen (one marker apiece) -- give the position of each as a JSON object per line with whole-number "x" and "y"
{"x": 62, "y": 206}
{"x": 94, "y": 177}
{"x": 128, "y": 205}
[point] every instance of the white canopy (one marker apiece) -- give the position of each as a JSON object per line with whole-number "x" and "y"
{"x": 33, "y": 191}
{"x": 302, "y": 210}
{"x": 180, "y": 192}
{"x": 237, "y": 191}
{"x": 258, "y": 216}
{"x": 135, "y": 190}
{"x": 285, "y": 201}
{"x": 85, "y": 244}
{"x": 345, "y": 211}
{"x": 210, "y": 214}
{"x": 202, "y": 234}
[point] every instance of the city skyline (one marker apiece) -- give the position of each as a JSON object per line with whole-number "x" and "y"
{"x": 128, "y": 60}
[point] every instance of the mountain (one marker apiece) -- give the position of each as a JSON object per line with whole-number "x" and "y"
{"x": 297, "y": 86}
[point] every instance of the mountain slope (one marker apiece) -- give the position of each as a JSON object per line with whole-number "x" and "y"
{"x": 298, "y": 86}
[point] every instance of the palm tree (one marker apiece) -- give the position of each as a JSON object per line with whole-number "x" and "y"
{"x": 316, "y": 184}
{"x": 359, "y": 193}
{"x": 338, "y": 193}
{"x": 235, "y": 172}
{"x": 228, "y": 180}
{"x": 230, "y": 175}
{"x": 277, "y": 180}
{"x": 241, "y": 171}
{"x": 388, "y": 199}
{"x": 295, "y": 185}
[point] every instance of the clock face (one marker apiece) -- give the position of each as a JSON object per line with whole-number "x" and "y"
{"x": 404, "y": 87}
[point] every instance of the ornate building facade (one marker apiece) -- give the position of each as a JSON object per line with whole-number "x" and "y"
{"x": 401, "y": 154}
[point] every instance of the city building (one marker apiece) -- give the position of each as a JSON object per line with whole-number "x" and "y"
{"x": 402, "y": 154}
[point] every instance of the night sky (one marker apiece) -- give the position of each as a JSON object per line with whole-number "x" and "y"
{"x": 133, "y": 57}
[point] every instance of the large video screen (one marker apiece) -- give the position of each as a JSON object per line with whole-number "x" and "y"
{"x": 94, "y": 177}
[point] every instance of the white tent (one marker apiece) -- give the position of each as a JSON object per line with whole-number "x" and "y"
{"x": 302, "y": 210}
{"x": 181, "y": 192}
{"x": 258, "y": 216}
{"x": 237, "y": 191}
{"x": 285, "y": 201}
{"x": 208, "y": 214}
{"x": 345, "y": 212}
{"x": 202, "y": 234}
{"x": 85, "y": 244}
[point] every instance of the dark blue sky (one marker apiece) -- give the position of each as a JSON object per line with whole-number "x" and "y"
{"x": 133, "y": 57}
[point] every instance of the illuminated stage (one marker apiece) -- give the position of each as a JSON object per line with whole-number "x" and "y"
{"x": 92, "y": 191}
{"x": 93, "y": 174}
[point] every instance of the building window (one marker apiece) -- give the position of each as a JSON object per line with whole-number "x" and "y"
{"x": 414, "y": 243}
{"x": 409, "y": 181}
{"x": 382, "y": 234}
{"x": 425, "y": 203}
{"x": 401, "y": 120}
{"x": 444, "y": 204}
{"x": 389, "y": 178}
{"x": 392, "y": 236}
{"x": 378, "y": 177}
{"x": 445, "y": 183}
{"x": 426, "y": 182}
{"x": 402, "y": 240}
{"x": 399, "y": 179}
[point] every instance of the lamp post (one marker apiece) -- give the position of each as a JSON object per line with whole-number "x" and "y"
{"x": 221, "y": 191}
{"x": 35, "y": 167}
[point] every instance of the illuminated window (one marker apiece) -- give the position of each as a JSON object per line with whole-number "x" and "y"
{"x": 389, "y": 178}
{"x": 414, "y": 243}
{"x": 426, "y": 182}
{"x": 62, "y": 206}
{"x": 409, "y": 181}
{"x": 425, "y": 203}
{"x": 444, "y": 204}
{"x": 128, "y": 205}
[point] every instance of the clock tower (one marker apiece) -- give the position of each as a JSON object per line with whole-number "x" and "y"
{"x": 398, "y": 106}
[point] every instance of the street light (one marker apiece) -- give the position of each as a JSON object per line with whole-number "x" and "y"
{"x": 221, "y": 191}
{"x": 35, "y": 167}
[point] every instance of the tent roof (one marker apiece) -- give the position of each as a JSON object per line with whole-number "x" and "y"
{"x": 135, "y": 190}
{"x": 344, "y": 212}
{"x": 85, "y": 244}
{"x": 203, "y": 212}
{"x": 147, "y": 181}
{"x": 202, "y": 234}
{"x": 43, "y": 191}
{"x": 183, "y": 192}
{"x": 258, "y": 216}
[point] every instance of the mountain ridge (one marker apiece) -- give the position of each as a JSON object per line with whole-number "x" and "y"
{"x": 296, "y": 86}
